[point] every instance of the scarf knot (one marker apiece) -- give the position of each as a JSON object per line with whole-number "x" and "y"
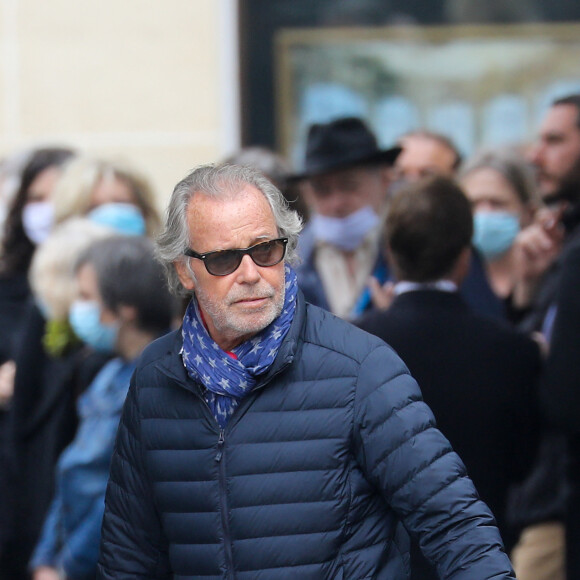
{"x": 228, "y": 379}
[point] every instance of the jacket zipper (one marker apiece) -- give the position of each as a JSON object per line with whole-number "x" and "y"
{"x": 224, "y": 506}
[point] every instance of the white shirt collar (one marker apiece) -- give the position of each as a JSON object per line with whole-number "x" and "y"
{"x": 441, "y": 285}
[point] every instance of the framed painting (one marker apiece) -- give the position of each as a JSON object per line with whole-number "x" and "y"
{"x": 482, "y": 85}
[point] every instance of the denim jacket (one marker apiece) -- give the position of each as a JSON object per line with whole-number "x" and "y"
{"x": 70, "y": 536}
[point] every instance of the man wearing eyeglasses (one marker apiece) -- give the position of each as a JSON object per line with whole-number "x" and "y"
{"x": 269, "y": 439}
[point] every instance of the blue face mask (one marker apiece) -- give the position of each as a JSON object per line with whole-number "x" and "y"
{"x": 346, "y": 233}
{"x": 494, "y": 232}
{"x": 84, "y": 317}
{"x": 123, "y": 217}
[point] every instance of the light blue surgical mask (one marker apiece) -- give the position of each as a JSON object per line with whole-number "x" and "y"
{"x": 122, "y": 217}
{"x": 346, "y": 233}
{"x": 494, "y": 232}
{"x": 85, "y": 319}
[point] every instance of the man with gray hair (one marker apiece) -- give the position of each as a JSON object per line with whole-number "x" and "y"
{"x": 267, "y": 438}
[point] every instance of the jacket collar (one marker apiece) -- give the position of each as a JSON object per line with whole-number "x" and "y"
{"x": 172, "y": 366}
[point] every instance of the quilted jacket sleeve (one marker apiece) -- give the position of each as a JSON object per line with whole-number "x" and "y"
{"x": 422, "y": 479}
{"x": 132, "y": 545}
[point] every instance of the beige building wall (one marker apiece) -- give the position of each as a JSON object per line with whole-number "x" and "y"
{"x": 152, "y": 82}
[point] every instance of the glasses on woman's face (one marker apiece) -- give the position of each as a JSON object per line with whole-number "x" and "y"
{"x": 224, "y": 262}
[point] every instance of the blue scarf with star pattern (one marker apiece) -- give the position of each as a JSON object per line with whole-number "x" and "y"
{"x": 227, "y": 379}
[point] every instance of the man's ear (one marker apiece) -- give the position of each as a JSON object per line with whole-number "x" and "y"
{"x": 396, "y": 273}
{"x": 387, "y": 174}
{"x": 109, "y": 316}
{"x": 184, "y": 274}
{"x": 461, "y": 266}
{"x": 307, "y": 193}
{"x": 127, "y": 313}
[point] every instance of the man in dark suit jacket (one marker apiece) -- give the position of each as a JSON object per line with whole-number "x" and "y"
{"x": 477, "y": 375}
{"x": 560, "y": 392}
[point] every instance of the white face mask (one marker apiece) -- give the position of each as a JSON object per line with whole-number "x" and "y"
{"x": 37, "y": 220}
{"x": 346, "y": 233}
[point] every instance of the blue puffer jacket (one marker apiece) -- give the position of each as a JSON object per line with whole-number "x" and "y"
{"x": 314, "y": 477}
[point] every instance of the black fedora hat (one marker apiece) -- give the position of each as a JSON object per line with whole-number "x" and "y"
{"x": 341, "y": 144}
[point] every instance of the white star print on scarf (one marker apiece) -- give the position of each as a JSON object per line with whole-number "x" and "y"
{"x": 226, "y": 379}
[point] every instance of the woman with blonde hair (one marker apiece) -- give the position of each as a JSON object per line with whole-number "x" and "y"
{"x": 109, "y": 192}
{"x": 51, "y": 272}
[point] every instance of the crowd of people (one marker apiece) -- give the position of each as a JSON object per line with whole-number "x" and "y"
{"x": 202, "y": 395}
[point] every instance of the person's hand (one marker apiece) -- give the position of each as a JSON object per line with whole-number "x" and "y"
{"x": 543, "y": 343}
{"x": 535, "y": 249}
{"x": 539, "y": 244}
{"x": 46, "y": 573}
{"x": 382, "y": 295}
{"x": 7, "y": 372}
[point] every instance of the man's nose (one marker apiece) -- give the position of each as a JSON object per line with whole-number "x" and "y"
{"x": 247, "y": 272}
{"x": 338, "y": 204}
{"x": 483, "y": 206}
{"x": 536, "y": 154}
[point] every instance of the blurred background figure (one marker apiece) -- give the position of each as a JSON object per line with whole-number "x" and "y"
{"x": 561, "y": 395}
{"x": 55, "y": 187}
{"x": 543, "y": 248}
{"x": 556, "y": 154}
{"x": 425, "y": 153}
{"x": 347, "y": 177}
{"x": 28, "y": 223}
{"x": 109, "y": 192}
{"x": 11, "y": 168}
{"x": 277, "y": 170}
{"x": 478, "y": 375}
{"x": 118, "y": 200}
{"x": 501, "y": 187}
{"x": 122, "y": 305}
{"x": 54, "y": 368}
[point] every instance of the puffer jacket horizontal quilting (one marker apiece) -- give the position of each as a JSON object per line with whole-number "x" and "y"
{"x": 302, "y": 462}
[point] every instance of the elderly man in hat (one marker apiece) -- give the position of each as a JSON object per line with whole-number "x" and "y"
{"x": 346, "y": 176}
{"x": 267, "y": 439}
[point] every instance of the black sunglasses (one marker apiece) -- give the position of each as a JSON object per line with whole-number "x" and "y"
{"x": 224, "y": 262}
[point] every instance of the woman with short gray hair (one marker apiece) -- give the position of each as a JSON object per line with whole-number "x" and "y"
{"x": 500, "y": 185}
{"x": 122, "y": 305}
